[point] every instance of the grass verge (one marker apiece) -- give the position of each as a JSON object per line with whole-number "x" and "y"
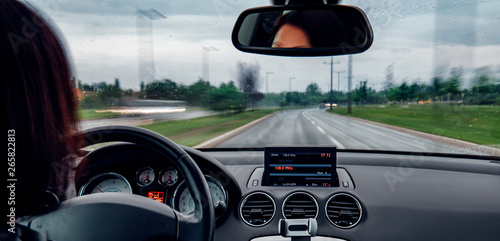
{"x": 195, "y": 131}
{"x": 92, "y": 114}
{"x": 477, "y": 124}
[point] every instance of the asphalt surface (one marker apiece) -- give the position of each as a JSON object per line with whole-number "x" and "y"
{"x": 317, "y": 127}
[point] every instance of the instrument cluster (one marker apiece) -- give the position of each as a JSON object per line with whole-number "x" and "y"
{"x": 164, "y": 185}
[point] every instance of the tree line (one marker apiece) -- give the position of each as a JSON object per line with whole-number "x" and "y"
{"x": 226, "y": 97}
{"x": 243, "y": 94}
{"x": 485, "y": 89}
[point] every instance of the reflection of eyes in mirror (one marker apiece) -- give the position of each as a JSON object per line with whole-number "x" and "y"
{"x": 309, "y": 29}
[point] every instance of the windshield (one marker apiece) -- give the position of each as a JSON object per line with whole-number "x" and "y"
{"x": 429, "y": 83}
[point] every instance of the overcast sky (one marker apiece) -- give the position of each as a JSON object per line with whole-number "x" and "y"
{"x": 419, "y": 38}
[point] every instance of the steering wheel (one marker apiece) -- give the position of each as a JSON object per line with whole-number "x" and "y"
{"x": 118, "y": 216}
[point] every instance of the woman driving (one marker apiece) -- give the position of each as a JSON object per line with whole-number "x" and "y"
{"x": 40, "y": 117}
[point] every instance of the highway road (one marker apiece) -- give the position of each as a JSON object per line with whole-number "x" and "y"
{"x": 317, "y": 127}
{"x": 143, "y": 119}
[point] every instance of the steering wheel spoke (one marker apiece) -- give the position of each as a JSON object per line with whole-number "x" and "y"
{"x": 108, "y": 216}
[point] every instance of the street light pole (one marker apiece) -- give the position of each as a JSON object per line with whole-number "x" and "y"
{"x": 349, "y": 77}
{"x": 331, "y": 80}
{"x": 267, "y": 81}
{"x": 290, "y": 84}
{"x": 144, "y": 27}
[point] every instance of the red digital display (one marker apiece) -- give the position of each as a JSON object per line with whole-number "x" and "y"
{"x": 158, "y": 196}
{"x": 283, "y": 168}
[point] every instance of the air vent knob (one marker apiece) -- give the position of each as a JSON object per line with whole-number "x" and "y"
{"x": 256, "y": 211}
{"x": 345, "y": 213}
{"x": 298, "y": 212}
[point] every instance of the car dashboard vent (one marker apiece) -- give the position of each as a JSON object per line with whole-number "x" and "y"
{"x": 257, "y": 209}
{"x": 300, "y": 205}
{"x": 343, "y": 210}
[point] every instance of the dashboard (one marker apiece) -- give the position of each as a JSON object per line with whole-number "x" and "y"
{"x": 376, "y": 196}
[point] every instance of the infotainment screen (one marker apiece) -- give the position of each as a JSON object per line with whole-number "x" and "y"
{"x": 313, "y": 166}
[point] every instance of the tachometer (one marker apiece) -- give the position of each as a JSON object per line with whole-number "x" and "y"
{"x": 106, "y": 182}
{"x": 183, "y": 201}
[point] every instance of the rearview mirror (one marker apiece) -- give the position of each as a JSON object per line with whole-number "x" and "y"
{"x": 303, "y": 30}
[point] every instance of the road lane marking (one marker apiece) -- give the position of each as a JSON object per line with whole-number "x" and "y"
{"x": 336, "y": 143}
{"x": 314, "y": 123}
{"x": 321, "y": 130}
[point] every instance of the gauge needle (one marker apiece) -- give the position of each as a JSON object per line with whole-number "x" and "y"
{"x": 99, "y": 189}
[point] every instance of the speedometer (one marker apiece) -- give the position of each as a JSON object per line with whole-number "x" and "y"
{"x": 183, "y": 202}
{"x": 106, "y": 182}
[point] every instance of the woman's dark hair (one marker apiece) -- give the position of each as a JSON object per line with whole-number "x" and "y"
{"x": 39, "y": 106}
{"x": 325, "y": 28}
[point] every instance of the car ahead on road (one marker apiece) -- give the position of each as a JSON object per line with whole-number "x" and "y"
{"x": 327, "y": 105}
{"x": 301, "y": 173}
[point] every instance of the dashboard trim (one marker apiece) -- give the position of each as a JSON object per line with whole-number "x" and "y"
{"x": 406, "y": 153}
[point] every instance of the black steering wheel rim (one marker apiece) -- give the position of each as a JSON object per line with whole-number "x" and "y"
{"x": 202, "y": 219}
{"x": 199, "y": 225}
